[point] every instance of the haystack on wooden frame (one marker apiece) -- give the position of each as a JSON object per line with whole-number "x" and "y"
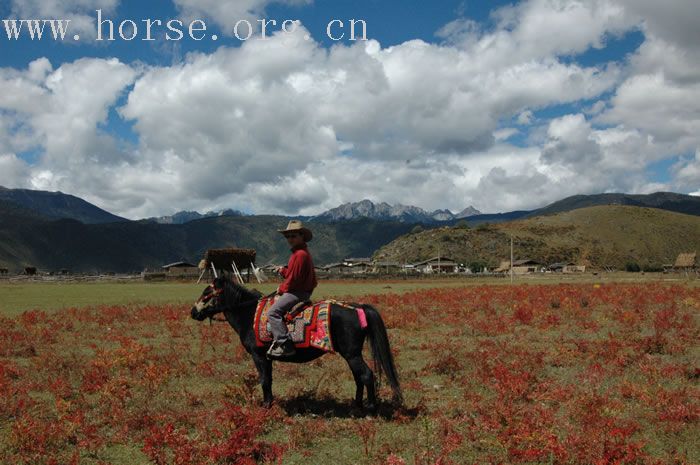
{"x": 229, "y": 260}
{"x": 503, "y": 267}
{"x": 686, "y": 261}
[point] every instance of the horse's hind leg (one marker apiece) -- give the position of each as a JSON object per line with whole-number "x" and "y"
{"x": 364, "y": 377}
{"x": 356, "y": 369}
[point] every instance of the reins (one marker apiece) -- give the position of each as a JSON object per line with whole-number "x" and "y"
{"x": 232, "y": 308}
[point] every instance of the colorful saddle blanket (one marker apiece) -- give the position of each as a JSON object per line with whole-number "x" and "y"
{"x": 310, "y": 328}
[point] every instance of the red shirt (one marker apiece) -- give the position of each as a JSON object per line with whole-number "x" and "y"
{"x": 299, "y": 274}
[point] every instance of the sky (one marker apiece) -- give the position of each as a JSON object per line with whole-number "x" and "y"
{"x": 499, "y": 105}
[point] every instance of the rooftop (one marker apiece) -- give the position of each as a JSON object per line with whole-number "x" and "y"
{"x": 179, "y": 265}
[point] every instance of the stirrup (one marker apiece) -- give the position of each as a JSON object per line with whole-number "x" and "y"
{"x": 284, "y": 350}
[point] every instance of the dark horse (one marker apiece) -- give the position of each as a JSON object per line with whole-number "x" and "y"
{"x": 238, "y": 305}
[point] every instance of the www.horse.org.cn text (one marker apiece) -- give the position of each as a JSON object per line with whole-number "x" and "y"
{"x": 128, "y": 30}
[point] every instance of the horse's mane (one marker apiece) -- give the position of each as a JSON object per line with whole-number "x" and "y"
{"x": 235, "y": 293}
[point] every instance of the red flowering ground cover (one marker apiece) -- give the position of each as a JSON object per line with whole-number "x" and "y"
{"x": 551, "y": 374}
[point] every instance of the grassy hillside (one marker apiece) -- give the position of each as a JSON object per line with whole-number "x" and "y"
{"x": 670, "y": 201}
{"x": 132, "y": 246}
{"x": 597, "y": 236}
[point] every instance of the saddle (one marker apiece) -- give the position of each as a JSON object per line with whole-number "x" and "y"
{"x": 296, "y": 310}
{"x": 308, "y": 323}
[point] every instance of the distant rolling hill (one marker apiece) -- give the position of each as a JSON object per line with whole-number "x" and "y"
{"x": 680, "y": 203}
{"x": 670, "y": 201}
{"x": 57, "y": 205}
{"x": 132, "y": 246}
{"x": 494, "y": 217}
{"x": 612, "y": 235}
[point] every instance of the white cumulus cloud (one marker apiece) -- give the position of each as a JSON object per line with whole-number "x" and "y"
{"x": 226, "y": 13}
{"x": 285, "y": 125}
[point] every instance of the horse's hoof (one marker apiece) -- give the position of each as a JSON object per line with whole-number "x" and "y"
{"x": 372, "y": 409}
{"x": 267, "y": 404}
{"x": 357, "y": 410}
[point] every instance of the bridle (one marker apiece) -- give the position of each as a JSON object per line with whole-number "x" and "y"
{"x": 216, "y": 293}
{"x": 205, "y": 299}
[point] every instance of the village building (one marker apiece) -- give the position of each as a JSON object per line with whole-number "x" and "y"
{"x": 181, "y": 269}
{"x": 386, "y": 267}
{"x": 437, "y": 265}
{"x": 520, "y": 267}
{"x": 353, "y": 261}
{"x": 337, "y": 268}
{"x": 361, "y": 267}
{"x": 270, "y": 268}
{"x": 566, "y": 267}
{"x": 358, "y": 265}
{"x": 527, "y": 266}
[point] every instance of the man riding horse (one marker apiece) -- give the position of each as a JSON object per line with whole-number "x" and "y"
{"x": 299, "y": 283}
{"x": 350, "y": 324}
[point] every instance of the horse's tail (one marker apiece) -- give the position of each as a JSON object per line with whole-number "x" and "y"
{"x": 381, "y": 350}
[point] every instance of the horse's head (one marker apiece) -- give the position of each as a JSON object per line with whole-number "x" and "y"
{"x": 222, "y": 294}
{"x": 211, "y": 301}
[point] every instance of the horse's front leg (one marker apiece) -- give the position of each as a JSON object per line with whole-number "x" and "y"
{"x": 264, "y": 367}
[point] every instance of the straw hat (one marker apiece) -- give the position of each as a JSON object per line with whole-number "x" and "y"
{"x": 297, "y": 226}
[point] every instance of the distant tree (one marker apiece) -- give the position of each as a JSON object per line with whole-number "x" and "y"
{"x": 653, "y": 268}
{"x": 477, "y": 266}
{"x": 462, "y": 224}
{"x": 417, "y": 229}
{"x": 483, "y": 226}
{"x": 633, "y": 267}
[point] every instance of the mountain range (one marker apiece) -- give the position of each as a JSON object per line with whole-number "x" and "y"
{"x": 410, "y": 214}
{"x": 131, "y": 246}
{"x": 345, "y": 212}
{"x": 52, "y": 230}
{"x": 183, "y": 217}
{"x": 384, "y": 211}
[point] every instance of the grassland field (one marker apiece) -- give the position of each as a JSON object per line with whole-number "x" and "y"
{"x": 17, "y": 297}
{"x": 552, "y": 370}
